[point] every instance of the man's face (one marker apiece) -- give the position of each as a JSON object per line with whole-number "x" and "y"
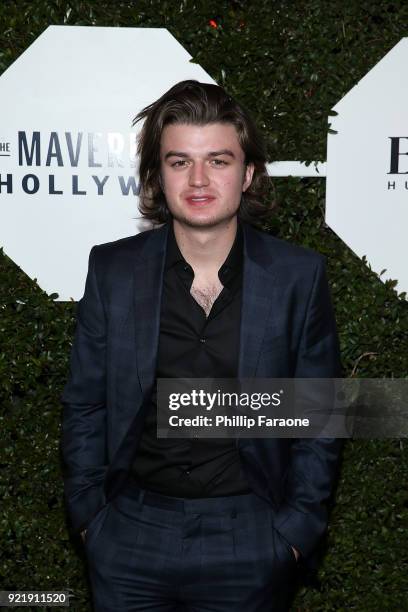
{"x": 203, "y": 173}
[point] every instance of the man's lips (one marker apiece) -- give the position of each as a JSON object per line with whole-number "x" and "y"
{"x": 197, "y": 200}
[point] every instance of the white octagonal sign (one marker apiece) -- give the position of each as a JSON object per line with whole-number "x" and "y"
{"x": 367, "y": 167}
{"x": 67, "y": 166}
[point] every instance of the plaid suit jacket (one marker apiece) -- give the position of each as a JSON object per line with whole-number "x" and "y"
{"x": 287, "y": 330}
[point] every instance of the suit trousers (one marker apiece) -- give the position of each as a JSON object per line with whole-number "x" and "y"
{"x": 151, "y": 552}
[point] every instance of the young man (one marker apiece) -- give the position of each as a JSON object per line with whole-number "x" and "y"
{"x": 210, "y": 525}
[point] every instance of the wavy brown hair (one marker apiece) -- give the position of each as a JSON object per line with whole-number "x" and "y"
{"x": 195, "y": 103}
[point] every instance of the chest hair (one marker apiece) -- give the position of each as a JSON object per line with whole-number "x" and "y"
{"x": 205, "y": 295}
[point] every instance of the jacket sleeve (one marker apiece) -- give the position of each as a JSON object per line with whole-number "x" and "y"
{"x": 83, "y": 441}
{"x": 302, "y": 518}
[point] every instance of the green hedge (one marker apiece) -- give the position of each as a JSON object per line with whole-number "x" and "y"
{"x": 289, "y": 62}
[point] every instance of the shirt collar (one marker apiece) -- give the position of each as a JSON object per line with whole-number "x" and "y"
{"x": 173, "y": 254}
{"x": 229, "y": 268}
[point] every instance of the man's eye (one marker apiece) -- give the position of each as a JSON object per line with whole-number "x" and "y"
{"x": 219, "y": 162}
{"x": 179, "y": 163}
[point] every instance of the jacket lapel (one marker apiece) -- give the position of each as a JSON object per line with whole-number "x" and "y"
{"x": 256, "y": 303}
{"x": 148, "y": 282}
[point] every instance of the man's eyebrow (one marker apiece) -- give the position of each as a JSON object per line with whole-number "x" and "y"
{"x": 211, "y": 154}
{"x": 175, "y": 154}
{"x": 221, "y": 152}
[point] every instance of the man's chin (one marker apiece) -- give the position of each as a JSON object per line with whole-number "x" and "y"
{"x": 204, "y": 222}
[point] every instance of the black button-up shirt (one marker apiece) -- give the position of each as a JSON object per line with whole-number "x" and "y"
{"x": 192, "y": 345}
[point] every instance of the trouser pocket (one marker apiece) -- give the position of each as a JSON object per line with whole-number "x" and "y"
{"x": 95, "y": 526}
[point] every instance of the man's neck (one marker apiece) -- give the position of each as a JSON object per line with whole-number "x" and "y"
{"x": 205, "y": 249}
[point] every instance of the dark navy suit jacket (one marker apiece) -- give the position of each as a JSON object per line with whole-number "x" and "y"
{"x": 287, "y": 330}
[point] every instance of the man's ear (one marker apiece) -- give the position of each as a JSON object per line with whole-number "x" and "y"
{"x": 249, "y": 173}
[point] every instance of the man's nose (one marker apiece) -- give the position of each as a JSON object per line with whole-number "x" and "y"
{"x": 198, "y": 175}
